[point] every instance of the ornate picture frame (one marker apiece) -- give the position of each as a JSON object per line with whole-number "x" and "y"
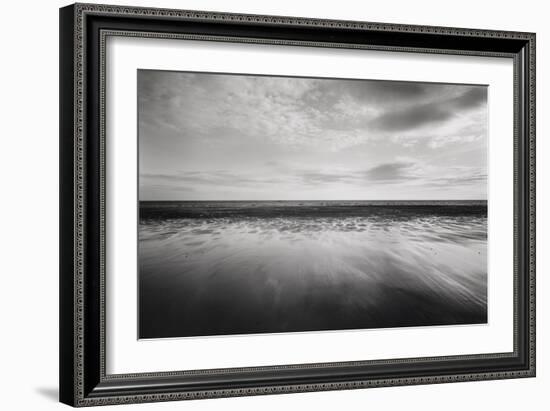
{"x": 84, "y": 32}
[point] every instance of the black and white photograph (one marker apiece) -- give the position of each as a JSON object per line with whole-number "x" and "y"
{"x": 262, "y": 199}
{"x": 271, "y": 204}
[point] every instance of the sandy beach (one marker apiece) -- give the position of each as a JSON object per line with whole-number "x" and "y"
{"x": 253, "y": 268}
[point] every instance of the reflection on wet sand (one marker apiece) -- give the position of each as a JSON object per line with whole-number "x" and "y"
{"x": 258, "y": 271}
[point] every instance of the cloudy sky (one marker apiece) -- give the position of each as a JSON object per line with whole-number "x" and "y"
{"x": 240, "y": 137}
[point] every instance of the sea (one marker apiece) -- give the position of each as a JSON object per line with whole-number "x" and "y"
{"x": 246, "y": 267}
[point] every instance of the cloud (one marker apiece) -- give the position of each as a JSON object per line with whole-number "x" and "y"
{"x": 419, "y": 115}
{"x": 474, "y": 97}
{"x": 320, "y": 177}
{"x": 410, "y": 118}
{"x": 327, "y": 114}
{"x": 212, "y": 178}
{"x": 384, "y": 91}
{"x": 479, "y": 178}
{"x": 392, "y": 171}
{"x": 226, "y": 178}
{"x": 287, "y": 137}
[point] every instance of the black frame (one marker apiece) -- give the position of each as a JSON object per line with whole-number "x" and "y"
{"x": 83, "y": 30}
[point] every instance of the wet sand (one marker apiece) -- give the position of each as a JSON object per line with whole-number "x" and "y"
{"x": 240, "y": 267}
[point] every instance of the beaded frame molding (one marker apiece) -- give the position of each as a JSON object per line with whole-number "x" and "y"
{"x": 84, "y": 29}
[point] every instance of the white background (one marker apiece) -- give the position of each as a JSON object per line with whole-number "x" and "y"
{"x": 125, "y": 354}
{"x": 29, "y": 206}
